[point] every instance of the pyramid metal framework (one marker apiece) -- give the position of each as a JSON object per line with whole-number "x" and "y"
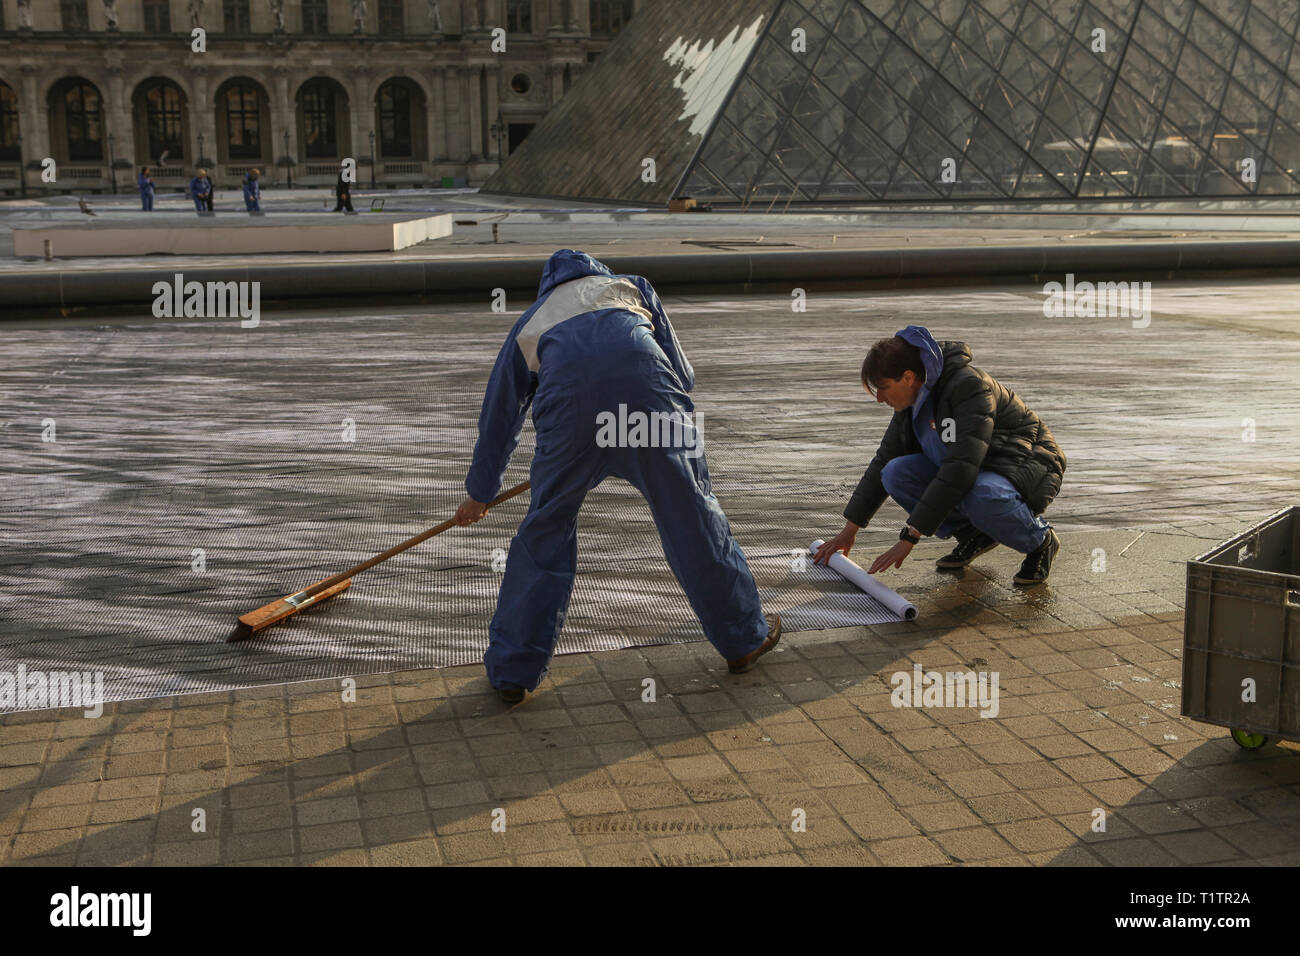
{"x": 764, "y": 104}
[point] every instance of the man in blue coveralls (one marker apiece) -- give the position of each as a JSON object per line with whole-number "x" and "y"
{"x": 593, "y": 342}
{"x": 201, "y": 191}
{"x": 963, "y": 455}
{"x": 253, "y": 191}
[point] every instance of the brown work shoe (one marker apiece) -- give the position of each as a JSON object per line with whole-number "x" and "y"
{"x": 773, "y": 636}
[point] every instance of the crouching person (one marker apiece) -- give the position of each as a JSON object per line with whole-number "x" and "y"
{"x": 963, "y": 455}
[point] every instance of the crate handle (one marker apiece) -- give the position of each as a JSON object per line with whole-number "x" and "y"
{"x": 1248, "y": 551}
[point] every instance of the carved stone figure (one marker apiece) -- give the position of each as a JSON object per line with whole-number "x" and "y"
{"x": 196, "y": 13}
{"x": 358, "y": 16}
{"x": 110, "y": 13}
{"x": 435, "y": 16}
{"x": 277, "y": 11}
{"x": 24, "y": 14}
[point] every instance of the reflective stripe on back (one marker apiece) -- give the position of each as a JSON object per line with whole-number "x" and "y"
{"x": 578, "y": 297}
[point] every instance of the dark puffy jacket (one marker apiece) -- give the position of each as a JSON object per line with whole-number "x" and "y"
{"x": 994, "y": 431}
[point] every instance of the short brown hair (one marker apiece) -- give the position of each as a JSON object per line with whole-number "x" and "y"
{"x": 890, "y": 358}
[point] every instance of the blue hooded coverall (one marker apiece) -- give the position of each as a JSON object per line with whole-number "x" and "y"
{"x": 252, "y": 194}
{"x": 146, "y": 192}
{"x": 593, "y": 341}
{"x": 993, "y": 505}
{"x": 200, "y": 187}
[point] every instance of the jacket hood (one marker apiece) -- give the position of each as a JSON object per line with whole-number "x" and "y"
{"x": 936, "y": 358}
{"x": 569, "y": 264}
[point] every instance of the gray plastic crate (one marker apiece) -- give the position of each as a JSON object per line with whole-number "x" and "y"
{"x": 1243, "y": 621}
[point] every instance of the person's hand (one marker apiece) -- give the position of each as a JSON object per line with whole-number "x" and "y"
{"x": 891, "y": 558}
{"x": 470, "y": 511}
{"x": 841, "y": 542}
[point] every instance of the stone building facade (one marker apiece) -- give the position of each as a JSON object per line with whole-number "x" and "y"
{"x": 436, "y": 92}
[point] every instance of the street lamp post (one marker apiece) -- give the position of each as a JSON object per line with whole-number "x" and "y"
{"x": 498, "y": 130}
{"x": 288, "y": 170}
{"x": 373, "y": 159}
{"x": 112, "y": 164}
{"x": 200, "y": 148}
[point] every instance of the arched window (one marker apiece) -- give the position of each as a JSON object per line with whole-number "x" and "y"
{"x": 319, "y": 104}
{"x": 82, "y": 121}
{"x": 242, "y": 105}
{"x": 395, "y": 120}
{"x": 164, "y": 112}
{"x": 9, "y": 151}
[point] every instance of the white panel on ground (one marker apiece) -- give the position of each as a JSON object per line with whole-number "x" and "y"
{"x": 232, "y": 234}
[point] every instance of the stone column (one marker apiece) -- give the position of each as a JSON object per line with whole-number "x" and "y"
{"x": 282, "y": 119}
{"x": 33, "y": 118}
{"x": 203, "y": 117}
{"x": 496, "y": 150}
{"x": 474, "y": 109}
{"x": 436, "y": 130}
{"x": 117, "y": 123}
{"x": 361, "y": 116}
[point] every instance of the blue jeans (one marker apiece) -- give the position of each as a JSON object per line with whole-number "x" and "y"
{"x": 993, "y": 505}
{"x": 200, "y": 204}
{"x": 146, "y": 202}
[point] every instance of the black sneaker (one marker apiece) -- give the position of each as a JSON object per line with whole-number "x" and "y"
{"x": 511, "y": 694}
{"x": 1038, "y": 563}
{"x": 968, "y": 549}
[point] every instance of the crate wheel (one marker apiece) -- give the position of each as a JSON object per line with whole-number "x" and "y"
{"x": 1248, "y": 741}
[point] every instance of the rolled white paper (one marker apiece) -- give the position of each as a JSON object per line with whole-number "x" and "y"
{"x": 856, "y": 576}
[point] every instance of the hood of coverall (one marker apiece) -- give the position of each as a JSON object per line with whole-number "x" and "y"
{"x": 933, "y": 359}
{"x": 569, "y": 264}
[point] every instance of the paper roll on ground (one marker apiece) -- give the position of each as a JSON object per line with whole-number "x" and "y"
{"x": 856, "y": 576}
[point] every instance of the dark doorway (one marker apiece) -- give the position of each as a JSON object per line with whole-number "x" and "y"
{"x": 517, "y": 132}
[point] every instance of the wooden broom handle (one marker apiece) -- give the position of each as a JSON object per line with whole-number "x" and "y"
{"x": 399, "y": 548}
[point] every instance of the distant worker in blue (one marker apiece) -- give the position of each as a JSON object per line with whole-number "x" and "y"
{"x": 963, "y": 455}
{"x": 201, "y": 191}
{"x": 253, "y": 191}
{"x": 145, "y": 181}
{"x": 593, "y": 354}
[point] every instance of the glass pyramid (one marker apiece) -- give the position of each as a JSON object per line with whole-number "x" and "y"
{"x": 764, "y": 104}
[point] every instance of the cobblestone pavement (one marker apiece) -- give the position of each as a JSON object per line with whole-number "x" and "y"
{"x": 718, "y": 769}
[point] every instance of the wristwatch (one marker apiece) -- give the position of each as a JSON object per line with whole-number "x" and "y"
{"x": 906, "y": 535}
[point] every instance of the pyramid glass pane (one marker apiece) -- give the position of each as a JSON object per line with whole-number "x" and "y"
{"x": 864, "y": 34}
{"x": 1097, "y": 182}
{"x": 1043, "y": 35}
{"x": 1256, "y": 75}
{"x": 982, "y": 34}
{"x": 1285, "y": 13}
{"x": 1174, "y": 12}
{"x": 1022, "y": 96}
{"x": 967, "y": 72}
{"x": 866, "y": 159}
{"x": 1007, "y": 11}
